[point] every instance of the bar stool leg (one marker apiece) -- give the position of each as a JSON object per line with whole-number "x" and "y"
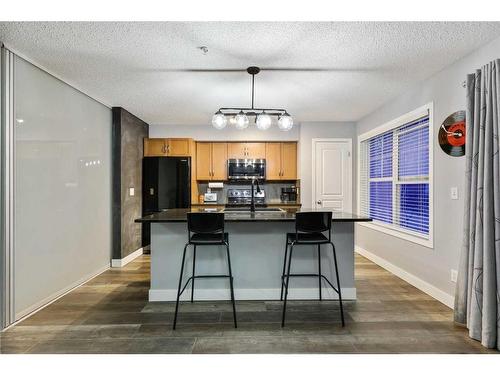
{"x": 338, "y": 283}
{"x": 286, "y": 285}
{"x": 180, "y": 285}
{"x": 319, "y": 271}
{"x": 284, "y": 268}
{"x": 231, "y": 285}
{"x": 192, "y": 281}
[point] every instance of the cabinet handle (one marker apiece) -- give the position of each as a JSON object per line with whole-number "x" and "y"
{"x": 163, "y": 149}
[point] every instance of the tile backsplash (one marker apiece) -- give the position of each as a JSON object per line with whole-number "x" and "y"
{"x": 272, "y": 189}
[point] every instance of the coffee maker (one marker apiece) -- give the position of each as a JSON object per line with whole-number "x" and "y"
{"x": 288, "y": 194}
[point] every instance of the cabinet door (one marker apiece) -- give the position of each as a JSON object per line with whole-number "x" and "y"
{"x": 203, "y": 161}
{"x": 273, "y": 161}
{"x": 219, "y": 161}
{"x": 178, "y": 147}
{"x": 289, "y": 161}
{"x": 155, "y": 147}
{"x": 256, "y": 150}
{"x": 236, "y": 150}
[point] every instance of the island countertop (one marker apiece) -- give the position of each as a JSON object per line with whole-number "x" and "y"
{"x": 179, "y": 215}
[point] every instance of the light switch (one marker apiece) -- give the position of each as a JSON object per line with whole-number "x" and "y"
{"x": 454, "y": 192}
{"x": 131, "y": 192}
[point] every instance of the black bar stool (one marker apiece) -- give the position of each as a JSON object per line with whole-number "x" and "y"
{"x": 309, "y": 229}
{"x": 208, "y": 230}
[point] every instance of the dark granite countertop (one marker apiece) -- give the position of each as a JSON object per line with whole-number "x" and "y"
{"x": 179, "y": 215}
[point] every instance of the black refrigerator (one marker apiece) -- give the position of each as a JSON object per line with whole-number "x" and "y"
{"x": 166, "y": 183}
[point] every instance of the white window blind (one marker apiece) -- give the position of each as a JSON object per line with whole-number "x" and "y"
{"x": 394, "y": 176}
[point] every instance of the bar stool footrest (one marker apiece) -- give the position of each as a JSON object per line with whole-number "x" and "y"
{"x": 309, "y": 275}
{"x": 200, "y": 277}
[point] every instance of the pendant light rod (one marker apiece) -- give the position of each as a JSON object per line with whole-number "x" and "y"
{"x": 253, "y": 70}
{"x": 253, "y": 92}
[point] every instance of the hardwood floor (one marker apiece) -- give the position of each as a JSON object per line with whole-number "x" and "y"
{"x": 111, "y": 314}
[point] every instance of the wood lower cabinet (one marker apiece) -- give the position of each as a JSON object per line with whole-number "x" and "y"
{"x": 246, "y": 150}
{"x": 168, "y": 146}
{"x": 281, "y": 160}
{"x": 211, "y": 161}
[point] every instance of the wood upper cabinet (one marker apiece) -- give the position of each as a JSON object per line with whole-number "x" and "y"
{"x": 246, "y": 150}
{"x": 155, "y": 147}
{"x": 203, "y": 161}
{"x": 281, "y": 161}
{"x": 273, "y": 160}
{"x": 289, "y": 161}
{"x": 211, "y": 159}
{"x": 219, "y": 161}
{"x": 178, "y": 147}
{"x": 167, "y": 146}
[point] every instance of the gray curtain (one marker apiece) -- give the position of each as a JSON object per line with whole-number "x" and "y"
{"x": 477, "y": 302}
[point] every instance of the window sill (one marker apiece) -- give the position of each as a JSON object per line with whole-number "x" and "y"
{"x": 427, "y": 242}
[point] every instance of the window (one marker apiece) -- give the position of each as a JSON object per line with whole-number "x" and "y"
{"x": 395, "y": 177}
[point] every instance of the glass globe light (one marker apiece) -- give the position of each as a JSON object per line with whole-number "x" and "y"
{"x": 285, "y": 122}
{"x": 241, "y": 121}
{"x": 263, "y": 121}
{"x": 219, "y": 121}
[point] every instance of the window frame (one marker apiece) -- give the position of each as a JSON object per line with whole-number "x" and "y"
{"x": 400, "y": 232}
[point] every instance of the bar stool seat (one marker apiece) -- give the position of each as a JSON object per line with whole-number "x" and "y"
{"x": 307, "y": 238}
{"x": 208, "y": 238}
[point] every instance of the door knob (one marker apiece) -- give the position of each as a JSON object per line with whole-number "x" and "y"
{"x": 318, "y": 202}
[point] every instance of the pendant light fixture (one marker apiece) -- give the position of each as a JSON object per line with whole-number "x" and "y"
{"x": 263, "y": 116}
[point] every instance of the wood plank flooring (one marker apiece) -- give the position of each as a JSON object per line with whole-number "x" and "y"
{"x": 111, "y": 314}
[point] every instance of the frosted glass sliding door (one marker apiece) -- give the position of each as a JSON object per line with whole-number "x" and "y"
{"x": 62, "y": 193}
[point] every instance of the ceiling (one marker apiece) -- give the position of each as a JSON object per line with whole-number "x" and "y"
{"x": 130, "y": 64}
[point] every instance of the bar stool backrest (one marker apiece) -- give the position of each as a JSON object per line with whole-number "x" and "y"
{"x": 313, "y": 222}
{"x": 206, "y": 222}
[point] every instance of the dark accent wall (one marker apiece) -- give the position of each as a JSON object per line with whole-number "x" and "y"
{"x": 128, "y": 134}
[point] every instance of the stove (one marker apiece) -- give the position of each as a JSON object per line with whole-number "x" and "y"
{"x": 244, "y": 196}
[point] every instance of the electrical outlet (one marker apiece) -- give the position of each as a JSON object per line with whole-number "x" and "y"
{"x": 454, "y": 193}
{"x": 131, "y": 192}
{"x": 454, "y": 275}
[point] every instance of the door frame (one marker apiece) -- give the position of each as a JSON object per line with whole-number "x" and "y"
{"x": 315, "y": 141}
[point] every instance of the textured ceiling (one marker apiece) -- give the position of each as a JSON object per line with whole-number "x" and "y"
{"x": 126, "y": 64}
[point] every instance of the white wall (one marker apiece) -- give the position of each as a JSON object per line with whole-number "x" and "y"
{"x": 62, "y": 203}
{"x": 445, "y": 91}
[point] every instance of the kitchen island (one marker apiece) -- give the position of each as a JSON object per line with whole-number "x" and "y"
{"x": 257, "y": 244}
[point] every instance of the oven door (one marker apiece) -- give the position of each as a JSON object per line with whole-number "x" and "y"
{"x": 246, "y": 169}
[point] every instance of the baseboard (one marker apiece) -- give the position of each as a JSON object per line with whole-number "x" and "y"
{"x": 26, "y": 313}
{"x": 250, "y": 294}
{"x": 424, "y": 286}
{"x": 117, "y": 263}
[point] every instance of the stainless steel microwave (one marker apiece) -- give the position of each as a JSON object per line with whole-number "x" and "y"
{"x": 246, "y": 169}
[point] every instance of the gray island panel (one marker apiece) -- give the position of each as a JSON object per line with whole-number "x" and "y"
{"x": 257, "y": 250}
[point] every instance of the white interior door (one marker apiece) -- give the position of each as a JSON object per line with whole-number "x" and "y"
{"x": 332, "y": 174}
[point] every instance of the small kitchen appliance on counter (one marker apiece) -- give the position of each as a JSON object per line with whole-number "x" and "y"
{"x": 289, "y": 194}
{"x": 210, "y": 197}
